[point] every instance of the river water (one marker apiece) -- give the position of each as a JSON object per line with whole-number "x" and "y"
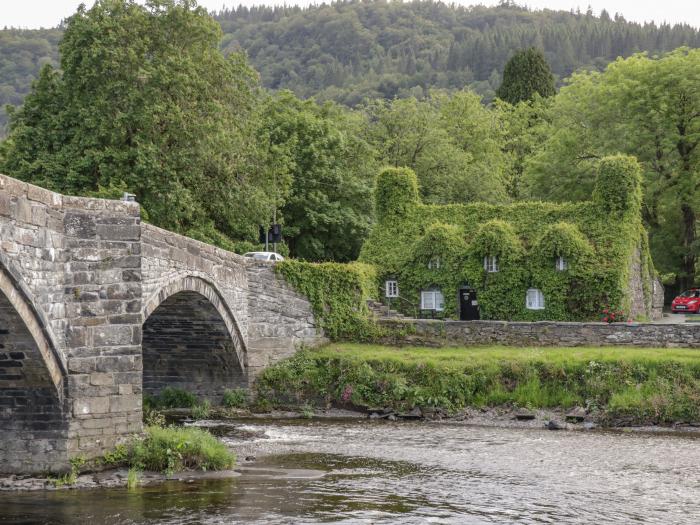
{"x": 382, "y": 472}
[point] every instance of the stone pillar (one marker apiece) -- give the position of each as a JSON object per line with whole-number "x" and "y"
{"x": 102, "y": 297}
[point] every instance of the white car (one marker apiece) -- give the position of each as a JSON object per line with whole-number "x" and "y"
{"x": 264, "y": 256}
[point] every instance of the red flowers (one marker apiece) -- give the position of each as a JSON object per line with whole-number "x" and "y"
{"x": 610, "y": 315}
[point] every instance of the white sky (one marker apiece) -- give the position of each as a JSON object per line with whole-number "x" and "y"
{"x": 48, "y": 13}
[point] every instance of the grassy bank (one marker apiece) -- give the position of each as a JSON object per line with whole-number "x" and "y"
{"x": 617, "y": 384}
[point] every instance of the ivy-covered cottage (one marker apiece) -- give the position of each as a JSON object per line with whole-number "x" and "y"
{"x": 524, "y": 261}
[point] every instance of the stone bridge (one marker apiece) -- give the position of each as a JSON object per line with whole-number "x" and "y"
{"x": 98, "y": 308}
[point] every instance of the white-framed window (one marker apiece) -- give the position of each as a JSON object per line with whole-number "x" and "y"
{"x": 391, "y": 288}
{"x": 432, "y": 300}
{"x": 534, "y": 299}
{"x": 491, "y": 263}
{"x": 434, "y": 263}
{"x": 561, "y": 264}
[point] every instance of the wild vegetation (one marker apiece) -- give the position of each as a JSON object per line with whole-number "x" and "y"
{"x": 618, "y": 384}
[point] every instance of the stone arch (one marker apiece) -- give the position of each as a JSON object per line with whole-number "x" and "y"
{"x": 33, "y": 417}
{"x": 191, "y": 340}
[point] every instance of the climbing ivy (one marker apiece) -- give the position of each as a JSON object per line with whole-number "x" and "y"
{"x": 338, "y": 294}
{"x": 598, "y": 240}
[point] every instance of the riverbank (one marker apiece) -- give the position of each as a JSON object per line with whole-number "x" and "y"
{"x": 608, "y": 386}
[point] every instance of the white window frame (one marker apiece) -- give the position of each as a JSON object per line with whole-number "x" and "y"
{"x": 432, "y": 300}
{"x": 561, "y": 264}
{"x": 491, "y": 263}
{"x": 434, "y": 263}
{"x": 391, "y": 288}
{"x": 534, "y": 299}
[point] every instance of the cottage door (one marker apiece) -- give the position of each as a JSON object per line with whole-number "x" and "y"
{"x": 468, "y": 305}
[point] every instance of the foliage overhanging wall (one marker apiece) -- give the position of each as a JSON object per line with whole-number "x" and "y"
{"x": 599, "y": 240}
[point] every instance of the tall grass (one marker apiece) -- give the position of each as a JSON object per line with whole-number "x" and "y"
{"x": 644, "y": 385}
{"x": 172, "y": 449}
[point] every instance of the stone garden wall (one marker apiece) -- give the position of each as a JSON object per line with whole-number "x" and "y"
{"x": 427, "y": 332}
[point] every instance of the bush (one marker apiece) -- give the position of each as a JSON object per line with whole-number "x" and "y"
{"x": 173, "y": 449}
{"x": 236, "y": 398}
{"x": 172, "y": 398}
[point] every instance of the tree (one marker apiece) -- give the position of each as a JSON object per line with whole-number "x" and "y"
{"x": 646, "y": 107}
{"x": 526, "y": 127}
{"x": 145, "y": 102}
{"x": 325, "y": 198}
{"x": 526, "y": 73}
{"x": 451, "y": 142}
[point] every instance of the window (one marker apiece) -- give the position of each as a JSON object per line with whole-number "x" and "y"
{"x": 491, "y": 263}
{"x": 561, "y": 264}
{"x": 534, "y": 300}
{"x": 392, "y": 288}
{"x": 432, "y": 300}
{"x": 434, "y": 263}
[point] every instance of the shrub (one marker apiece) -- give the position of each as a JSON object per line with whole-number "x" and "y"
{"x": 236, "y": 398}
{"x": 171, "y": 397}
{"x": 173, "y": 449}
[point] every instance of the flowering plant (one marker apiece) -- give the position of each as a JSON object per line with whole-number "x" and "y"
{"x": 610, "y": 315}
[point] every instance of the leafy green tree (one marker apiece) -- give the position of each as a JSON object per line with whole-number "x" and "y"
{"x": 451, "y": 142}
{"x": 527, "y": 73}
{"x": 145, "y": 101}
{"x": 325, "y": 178}
{"x": 644, "y": 106}
{"x": 525, "y": 127}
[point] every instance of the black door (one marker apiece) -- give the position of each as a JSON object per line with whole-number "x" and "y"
{"x": 468, "y": 305}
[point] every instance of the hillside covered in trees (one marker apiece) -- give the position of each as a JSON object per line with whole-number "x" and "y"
{"x": 352, "y": 51}
{"x": 349, "y": 51}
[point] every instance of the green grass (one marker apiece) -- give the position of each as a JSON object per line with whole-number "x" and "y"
{"x": 641, "y": 385}
{"x": 481, "y": 355}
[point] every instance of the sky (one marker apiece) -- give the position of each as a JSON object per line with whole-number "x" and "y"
{"x": 48, "y": 13}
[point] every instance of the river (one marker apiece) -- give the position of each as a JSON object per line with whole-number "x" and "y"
{"x": 382, "y": 472}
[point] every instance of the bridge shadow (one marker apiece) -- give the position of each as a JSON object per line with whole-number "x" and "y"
{"x": 33, "y": 422}
{"x": 186, "y": 344}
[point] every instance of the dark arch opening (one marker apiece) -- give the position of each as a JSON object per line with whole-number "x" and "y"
{"x": 187, "y": 345}
{"x": 32, "y": 422}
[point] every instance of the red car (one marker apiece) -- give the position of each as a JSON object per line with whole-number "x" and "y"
{"x": 687, "y": 302}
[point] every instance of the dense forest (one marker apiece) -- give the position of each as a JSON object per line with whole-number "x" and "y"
{"x": 159, "y": 101}
{"x": 351, "y": 51}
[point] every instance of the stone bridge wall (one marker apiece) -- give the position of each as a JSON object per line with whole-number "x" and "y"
{"x": 427, "y": 332}
{"x": 71, "y": 271}
{"x": 82, "y": 285}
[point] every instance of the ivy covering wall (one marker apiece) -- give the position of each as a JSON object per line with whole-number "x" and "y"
{"x": 338, "y": 294}
{"x": 599, "y": 241}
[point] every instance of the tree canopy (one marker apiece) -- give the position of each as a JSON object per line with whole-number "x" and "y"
{"x": 646, "y": 106}
{"x": 146, "y": 102}
{"x": 526, "y": 74}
